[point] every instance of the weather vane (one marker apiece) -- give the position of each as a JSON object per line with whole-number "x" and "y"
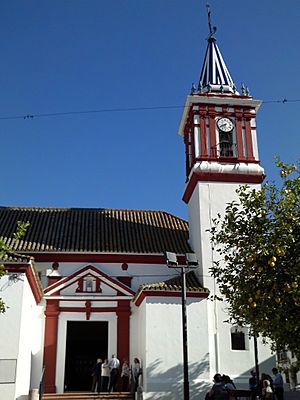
{"x": 213, "y": 29}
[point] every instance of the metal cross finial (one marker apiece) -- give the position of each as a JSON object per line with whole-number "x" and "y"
{"x": 212, "y": 30}
{"x": 208, "y": 15}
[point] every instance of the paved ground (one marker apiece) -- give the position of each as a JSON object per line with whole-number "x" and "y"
{"x": 291, "y": 395}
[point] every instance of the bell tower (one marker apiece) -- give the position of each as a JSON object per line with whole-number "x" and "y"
{"x": 218, "y": 125}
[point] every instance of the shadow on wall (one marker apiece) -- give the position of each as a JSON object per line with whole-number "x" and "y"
{"x": 170, "y": 381}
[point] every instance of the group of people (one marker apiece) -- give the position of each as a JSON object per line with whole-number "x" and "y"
{"x": 266, "y": 387}
{"x": 105, "y": 375}
{"x": 221, "y": 388}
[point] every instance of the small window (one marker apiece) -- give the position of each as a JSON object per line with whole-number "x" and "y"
{"x": 238, "y": 339}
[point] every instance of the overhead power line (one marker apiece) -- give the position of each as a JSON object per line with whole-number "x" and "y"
{"x": 111, "y": 110}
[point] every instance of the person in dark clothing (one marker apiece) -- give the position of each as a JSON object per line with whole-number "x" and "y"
{"x": 253, "y": 385}
{"x": 278, "y": 384}
{"x": 218, "y": 391}
{"x": 96, "y": 374}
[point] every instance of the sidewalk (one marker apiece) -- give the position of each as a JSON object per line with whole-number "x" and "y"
{"x": 291, "y": 395}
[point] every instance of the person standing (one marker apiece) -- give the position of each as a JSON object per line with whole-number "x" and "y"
{"x": 253, "y": 385}
{"x": 218, "y": 391}
{"x": 125, "y": 375}
{"x": 267, "y": 392}
{"x": 278, "y": 384}
{"x": 105, "y": 373}
{"x": 96, "y": 374}
{"x": 113, "y": 365}
{"x": 136, "y": 373}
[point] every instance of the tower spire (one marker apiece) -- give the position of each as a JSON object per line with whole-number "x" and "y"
{"x": 214, "y": 76}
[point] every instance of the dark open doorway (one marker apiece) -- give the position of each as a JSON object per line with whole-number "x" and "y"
{"x": 86, "y": 341}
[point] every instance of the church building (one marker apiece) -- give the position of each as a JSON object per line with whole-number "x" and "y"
{"x": 88, "y": 283}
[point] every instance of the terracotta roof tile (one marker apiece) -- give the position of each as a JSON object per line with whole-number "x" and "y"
{"x": 174, "y": 284}
{"x": 94, "y": 230}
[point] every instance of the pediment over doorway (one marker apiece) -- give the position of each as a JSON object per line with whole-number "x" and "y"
{"x": 89, "y": 282}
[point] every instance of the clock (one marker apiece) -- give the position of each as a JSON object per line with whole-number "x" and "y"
{"x": 225, "y": 124}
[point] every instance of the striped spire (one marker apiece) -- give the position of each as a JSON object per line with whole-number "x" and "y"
{"x": 215, "y": 76}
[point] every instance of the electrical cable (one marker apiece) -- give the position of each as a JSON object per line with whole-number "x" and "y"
{"x": 127, "y": 109}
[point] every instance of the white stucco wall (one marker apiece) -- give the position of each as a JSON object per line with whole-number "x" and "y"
{"x": 163, "y": 362}
{"x": 20, "y": 335}
{"x": 12, "y": 294}
{"x": 209, "y": 199}
{"x": 138, "y": 333}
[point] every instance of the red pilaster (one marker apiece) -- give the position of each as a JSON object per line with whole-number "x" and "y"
{"x": 239, "y": 134}
{"x": 192, "y": 134}
{"x": 248, "y": 136}
{"x": 186, "y": 142}
{"x": 212, "y": 131}
{"x": 123, "y": 314}
{"x": 203, "y": 132}
{"x": 50, "y": 344}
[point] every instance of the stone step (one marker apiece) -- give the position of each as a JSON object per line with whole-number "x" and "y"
{"x": 88, "y": 396}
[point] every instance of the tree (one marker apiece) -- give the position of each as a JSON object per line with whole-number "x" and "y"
{"x": 6, "y": 252}
{"x": 258, "y": 272}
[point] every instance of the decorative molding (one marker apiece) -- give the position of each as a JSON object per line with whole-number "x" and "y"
{"x": 81, "y": 274}
{"x": 218, "y": 177}
{"x": 33, "y": 281}
{"x": 109, "y": 258}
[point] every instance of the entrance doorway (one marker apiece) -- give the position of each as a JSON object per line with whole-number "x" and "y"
{"x": 86, "y": 341}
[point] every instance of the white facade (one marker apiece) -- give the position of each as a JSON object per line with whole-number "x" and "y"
{"x": 21, "y": 338}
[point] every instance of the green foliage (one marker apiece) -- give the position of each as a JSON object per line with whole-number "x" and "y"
{"x": 258, "y": 271}
{"x": 6, "y": 251}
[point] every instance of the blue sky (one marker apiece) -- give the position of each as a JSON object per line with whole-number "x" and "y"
{"x": 79, "y": 55}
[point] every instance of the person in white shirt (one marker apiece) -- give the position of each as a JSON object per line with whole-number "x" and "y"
{"x": 113, "y": 365}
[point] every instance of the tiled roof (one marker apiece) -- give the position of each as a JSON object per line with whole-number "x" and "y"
{"x": 174, "y": 284}
{"x": 94, "y": 230}
{"x": 16, "y": 258}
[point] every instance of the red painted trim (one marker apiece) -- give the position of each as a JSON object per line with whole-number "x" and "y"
{"x": 92, "y": 309}
{"x": 212, "y": 130}
{"x": 88, "y": 267}
{"x": 126, "y": 280}
{"x": 50, "y": 344}
{"x": 192, "y": 130}
{"x": 239, "y": 134}
{"x": 186, "y": 143}
{"x": 89, "y": 298}
{"x": 218, "y": 177}
{"x": 31, "y": 277}
{"x": 88, "y": 310}
{"x": 203, "y": 132}
{"x": 111, "y": 258}
{"x": 123, "y": 330}
{"x": 249, "y": 137}
{"x": 232, "y": 160}
{"x": 155, "y": 293}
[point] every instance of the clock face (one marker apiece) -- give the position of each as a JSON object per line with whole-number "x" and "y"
{"x": 225, "y": 124}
